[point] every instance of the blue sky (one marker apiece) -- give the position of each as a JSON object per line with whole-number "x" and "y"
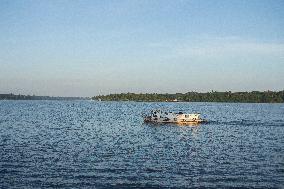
{"x": 85, "y": 48}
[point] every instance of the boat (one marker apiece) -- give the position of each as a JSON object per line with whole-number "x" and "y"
{"x": 159, "y": 116}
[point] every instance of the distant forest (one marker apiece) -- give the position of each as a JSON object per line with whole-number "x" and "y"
{"x": 33, "y": 97}
{"x": 214, "y": 96}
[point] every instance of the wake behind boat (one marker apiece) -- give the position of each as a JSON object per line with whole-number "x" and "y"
{"x": 159, "y": 116}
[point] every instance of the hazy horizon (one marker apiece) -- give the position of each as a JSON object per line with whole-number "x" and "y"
{"x": 87, "y": 48}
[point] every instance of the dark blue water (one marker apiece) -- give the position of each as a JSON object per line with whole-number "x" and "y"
{"x": 84, "y": 144}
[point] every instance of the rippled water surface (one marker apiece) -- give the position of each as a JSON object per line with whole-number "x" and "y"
{"x": 87, "y": 144}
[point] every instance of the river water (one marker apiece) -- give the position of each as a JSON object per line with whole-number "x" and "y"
{"x": 88, "y": 144}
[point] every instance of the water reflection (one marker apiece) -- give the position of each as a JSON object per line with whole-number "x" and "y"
{"x": 190, "y": 124}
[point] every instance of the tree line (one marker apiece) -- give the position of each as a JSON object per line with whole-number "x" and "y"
{"x": 213, "y": 96}
{"x": 12, "y": 96}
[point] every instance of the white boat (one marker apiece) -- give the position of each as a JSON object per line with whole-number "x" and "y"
{"x": 159, "y": 116}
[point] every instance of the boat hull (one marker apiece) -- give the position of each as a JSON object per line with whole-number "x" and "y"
{"x": 181, "y": 122}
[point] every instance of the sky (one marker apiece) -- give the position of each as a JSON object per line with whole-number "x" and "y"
{"x": 88, "y": 47}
